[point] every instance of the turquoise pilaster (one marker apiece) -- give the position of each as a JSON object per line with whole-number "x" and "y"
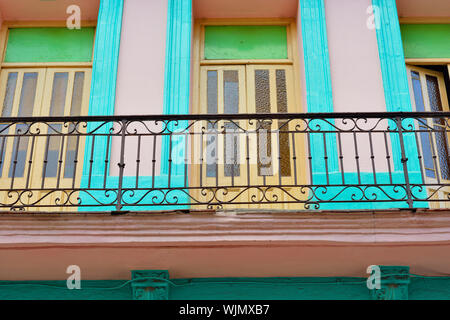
{"x": 395, "y": 82}
{"x": 318, "y": 85}
{"x": 177, "y": 78}
{"x": 104, "y": 78}
{"x": 103, "y": 92}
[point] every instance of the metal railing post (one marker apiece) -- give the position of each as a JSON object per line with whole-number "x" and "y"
{"x": 121, "y": 165}
{"x": 404, "y": 160}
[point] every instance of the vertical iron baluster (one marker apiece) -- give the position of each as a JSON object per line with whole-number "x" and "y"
{"x": 341, "y": 158}
{"x": 186, "y": 159}
{"x": 91, "y": 161}
{"x": 30, "y": 162}
{"x": 15, "y": 162}
{"x": 308, "y": 134}
{"x": 404, "y": 162}
{"x": 271, "y": 160}
{"x": 216, "y": 152}
{"x": 44, "y": 171}
{"x": 138, "y": 160}
{"x": 247, "y": 158}
{"x": 436, "y": 167}
{"x": 388, "y": 157}
{"x": 105, "y": 173}
{"x": 279, "y": 157}
{"x": 372, "y": 156}
{"x": 201, "y": 158}
{"x": 357, "y": 158}
{"x": 232, "y": 165}
{"x": 121, "y": 165}
{"x": 153, "y": 161}
{"x": 170, "y": 160}
{"x": 60, "y": 161}
{"x": 294, "y": 158}
{"x": 419, "y": 156}
{"x": 325, "y": 156}
{"x": 2, "y": 152}
{"x": 75, "y": 161}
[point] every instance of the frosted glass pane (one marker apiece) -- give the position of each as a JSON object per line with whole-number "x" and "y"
{"x": 54, "y": 145}
{"x": 211, "y": 139}
{"x": 262, "y": 105}
{"x": 442, "y": 150}
{"x": 59, "y": 92}
{"x": 262, "y": 91}
{"x": 231, "y": 106}
{"x": 9, "y": 94}
{"x": 76, "y": 106}
{"x": 231, "y": 92}
{"x": 417, "y": 88}
{"x": 77, "y": 97}
{"x": 425, "y": 139}
{"x": 26, "y": 105}
{"x": 28, "y": 94}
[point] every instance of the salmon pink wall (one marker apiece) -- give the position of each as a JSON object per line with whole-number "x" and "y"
{"x": 355, "y": 73}
{"x": 29, "y": 10}
{"x": 421, "y": 8}
{"x": 140, "y": 79}
{"x": 317, "y": 244}
{"x": 140, "y": 82}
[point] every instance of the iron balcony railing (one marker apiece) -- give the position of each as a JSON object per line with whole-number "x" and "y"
{"x": 271, "y": 161}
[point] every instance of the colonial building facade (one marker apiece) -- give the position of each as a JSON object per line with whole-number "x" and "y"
{"x": 210, "y": 149}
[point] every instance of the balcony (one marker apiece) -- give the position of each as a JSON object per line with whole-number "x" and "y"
{"x": 218, "y": 162}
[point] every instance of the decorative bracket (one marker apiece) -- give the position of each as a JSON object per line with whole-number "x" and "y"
{"x": 146, "y": 285}
{"x": 394, "y": 283}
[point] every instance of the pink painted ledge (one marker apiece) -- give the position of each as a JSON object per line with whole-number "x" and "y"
{"x": 257, "y": 244}
{"x": 233, "y": 227}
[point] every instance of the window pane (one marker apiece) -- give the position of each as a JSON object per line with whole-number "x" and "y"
{"x": 7, "y": 110}
{"x": 285, "y": 163}
{"x": 442, "y": 150}
{"x": 231, "y": 106}
{"x": 211, "y": 139}
{"x": 77, "y": 101}
{"x": 9, "y": 94}
{"x": 262, "y": 104}
{"x": 28, "y": 94}
{"x": 59, "y": 94}
{"x": 417, "y": 88}
{"x": 77, "y": 97}
{"x": 26, "y": 105}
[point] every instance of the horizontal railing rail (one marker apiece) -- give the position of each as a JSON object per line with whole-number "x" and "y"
{"x": 283, "y": 161}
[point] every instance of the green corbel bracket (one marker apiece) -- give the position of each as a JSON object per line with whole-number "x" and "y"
{"x": 394, "y": 283}
{"x": 147, "y": 286}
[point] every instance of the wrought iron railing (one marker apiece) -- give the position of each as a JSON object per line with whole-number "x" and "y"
{"x": 271, "y": 161}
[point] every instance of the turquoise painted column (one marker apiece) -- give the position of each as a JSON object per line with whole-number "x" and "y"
{"x": 103, "y": 83}
{"x": 395, "y": 82}
{"x": 318, "y": 85}
{"x": 177, "y": 78}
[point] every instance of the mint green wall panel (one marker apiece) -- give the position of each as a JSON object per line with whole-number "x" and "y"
{"x": 57, "y": 290}
{"x": 50, "y": 45}
{"x": 426, "y": 40}
{"x": 245, "y": 42}
{"x": 341, "y": 288}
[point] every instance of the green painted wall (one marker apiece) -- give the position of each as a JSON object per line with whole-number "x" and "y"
{"x": 49, "y": 45}
{"x": 245, "y": 42}
{"x": 422, "y": 288}
{"x": 426, "y": 40}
